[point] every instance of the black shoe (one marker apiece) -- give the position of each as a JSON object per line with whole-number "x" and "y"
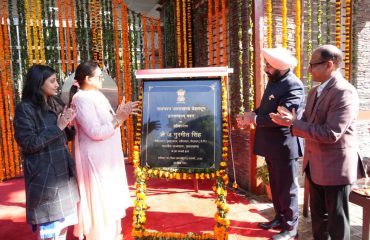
{"x": 285, "y": 235}
{"x": 272, "y": 224}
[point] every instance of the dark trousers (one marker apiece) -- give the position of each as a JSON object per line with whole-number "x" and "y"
{"x": 329, "y": 211}
{"x": 284, "y": 190}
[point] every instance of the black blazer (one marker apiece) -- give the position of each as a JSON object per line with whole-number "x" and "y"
{"x": 51, "y": 188}
{"x": 272, "y": 140}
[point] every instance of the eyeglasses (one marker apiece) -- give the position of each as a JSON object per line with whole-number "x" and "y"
{"x": 318, "y": 63}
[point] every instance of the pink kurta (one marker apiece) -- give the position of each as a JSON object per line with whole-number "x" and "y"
{"x": 100, "y": 168}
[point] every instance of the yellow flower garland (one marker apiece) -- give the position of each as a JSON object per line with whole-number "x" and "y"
{"x": 284, "y": 19}
{"x": 184, "y": 33}
{"x": 269, "y": 23}
{"x": 35, "y": 25}
{"x": 221, "y": 177}
{"x": 347, "y": 52}
{"x": 298, "y": 38}
{"x": 28, "y": 30}
{"x": 178, "y": 34}
{"x": 40, "y": 35}
{"x": 337, "y": 23}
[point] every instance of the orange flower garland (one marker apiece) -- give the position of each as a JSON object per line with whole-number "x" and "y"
{"x": 210, "y": 33}
{"x": 66, "y": 7}
{"x": 298, "y": 38}
{"x": 35, "y": 31}
{"x": 118, "y": 68}
{"x": 347, "y": 52}
{"x": 217, "y": 27}
{"x": 337, "y": 23}
{"x": 61, "y": 36}
{"x": 269, "y": 23}
{"x": 99, "y": 37}
{"x": 178, "y": 34}
{"x": 160, "y": 43}
{"x": 127, "y": 79}
{"x": 152, "y": 41}
{"x": 184, "y": 34}
{"x": 284, "y": 19}
{"x": 14, "y": 154}
{"x": 74, "y": 45}
{"x": 93, "y": 30}
{"x": 146, "y": 54}
{"x": 28, "y": 30}
{"x": 224, "y": 33}
{"x": 5, "y": 130}
{"x": 190, "y": 35}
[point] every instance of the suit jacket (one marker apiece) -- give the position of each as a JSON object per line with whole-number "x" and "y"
{"x": 272, "y": 140}
{"x": 329, "y": 130}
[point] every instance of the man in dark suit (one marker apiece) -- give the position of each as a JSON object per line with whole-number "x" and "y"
{"x": 331, "y": 160}
{"x": 276, "y": 143}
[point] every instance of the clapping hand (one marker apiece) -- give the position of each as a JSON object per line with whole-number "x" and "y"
{"x": 126, "y": 109}
{"x": 66, "y": 117}
{"x": 283, "y": 117}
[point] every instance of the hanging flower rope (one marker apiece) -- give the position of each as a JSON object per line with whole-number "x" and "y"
{"x": 40, "y": 31}
{"x": 328, "y": 21}
{"x": 269, "y": 23}
{"x": 35, "y": 26}
{"x": 61, "y": 37}
{"x": 347, "y": 51}
{"x": 217, "y": 27}
{"x": 99, "y": 37}
{"x": 127, "y": 79}
{"x": 146, "y": 54}
{"x": 29, "y": 35}
{"x": 93, "y": 31}
{"x": 7, "y": 100}
{"x": 319, "y": 22}
{"x": 118, "y": 67}
{"x": 184, "y": 34}
{"x": 298, "y": 38}
{"x": 178, "y": 34}
{"x": 210, "y": 32}
{"x": 189, "y": 34}
{"x": 285, "y": 23}
{"x": 160, "y": 50}
{"x": 309, "y": 40}
{"x": 152, "y": 43}
{"x": 68, "y": 36}
{"x": 74, "y": 40}
{"x": 337, "y": 23}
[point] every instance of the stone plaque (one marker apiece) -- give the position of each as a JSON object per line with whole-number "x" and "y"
{"x": 181, "y": 124}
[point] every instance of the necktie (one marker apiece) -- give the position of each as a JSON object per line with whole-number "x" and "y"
{"x": 314, "y": 102}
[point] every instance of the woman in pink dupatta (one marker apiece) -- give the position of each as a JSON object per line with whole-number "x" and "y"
{"x": 99, "y": 158}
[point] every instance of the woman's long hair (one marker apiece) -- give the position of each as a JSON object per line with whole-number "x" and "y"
{"x": 85, "y": 69}
{"x": 35, "y": 78}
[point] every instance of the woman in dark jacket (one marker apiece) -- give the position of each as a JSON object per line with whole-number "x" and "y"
{"x": 40, "y": 125}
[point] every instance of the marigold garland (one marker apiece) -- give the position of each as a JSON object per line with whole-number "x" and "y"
{"x": 319, "y": 23}
{"x": 298, "y": 38}
{"x": 68, "y": 36}
{"x": 217, "y": 27}
{"x": 29, "y": 36}
{"x": 221, "y": 177}
{"x": 99, "y": 36}
{"x": 210, "y": 32}
{"x": 74, "y": 41}
{"x": 189, "y": 34}
{"x": 309, "y": 40}
{"x": 40, "y": 31}
{"x": 152, "y": 40}
{"x": 61, "y": 36}
{"x": 347, "y": 50}
{"x": 178, "y": 34}
{"x": 146, "y": 54}
{"x": 269, "y": 23}
{"x": 285, "y": 23}
{"x": 337, "y": 23}
{"x": 35, "y": 26}
{"x": 160, "y": 49}
{"x": 184, "y": 34}
{"x": 328, "y": 21}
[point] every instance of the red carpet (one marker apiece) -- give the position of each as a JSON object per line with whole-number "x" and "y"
{"x": 174, "y": 206}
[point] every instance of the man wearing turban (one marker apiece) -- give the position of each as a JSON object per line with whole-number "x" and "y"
{"x": 276, "y": 143}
